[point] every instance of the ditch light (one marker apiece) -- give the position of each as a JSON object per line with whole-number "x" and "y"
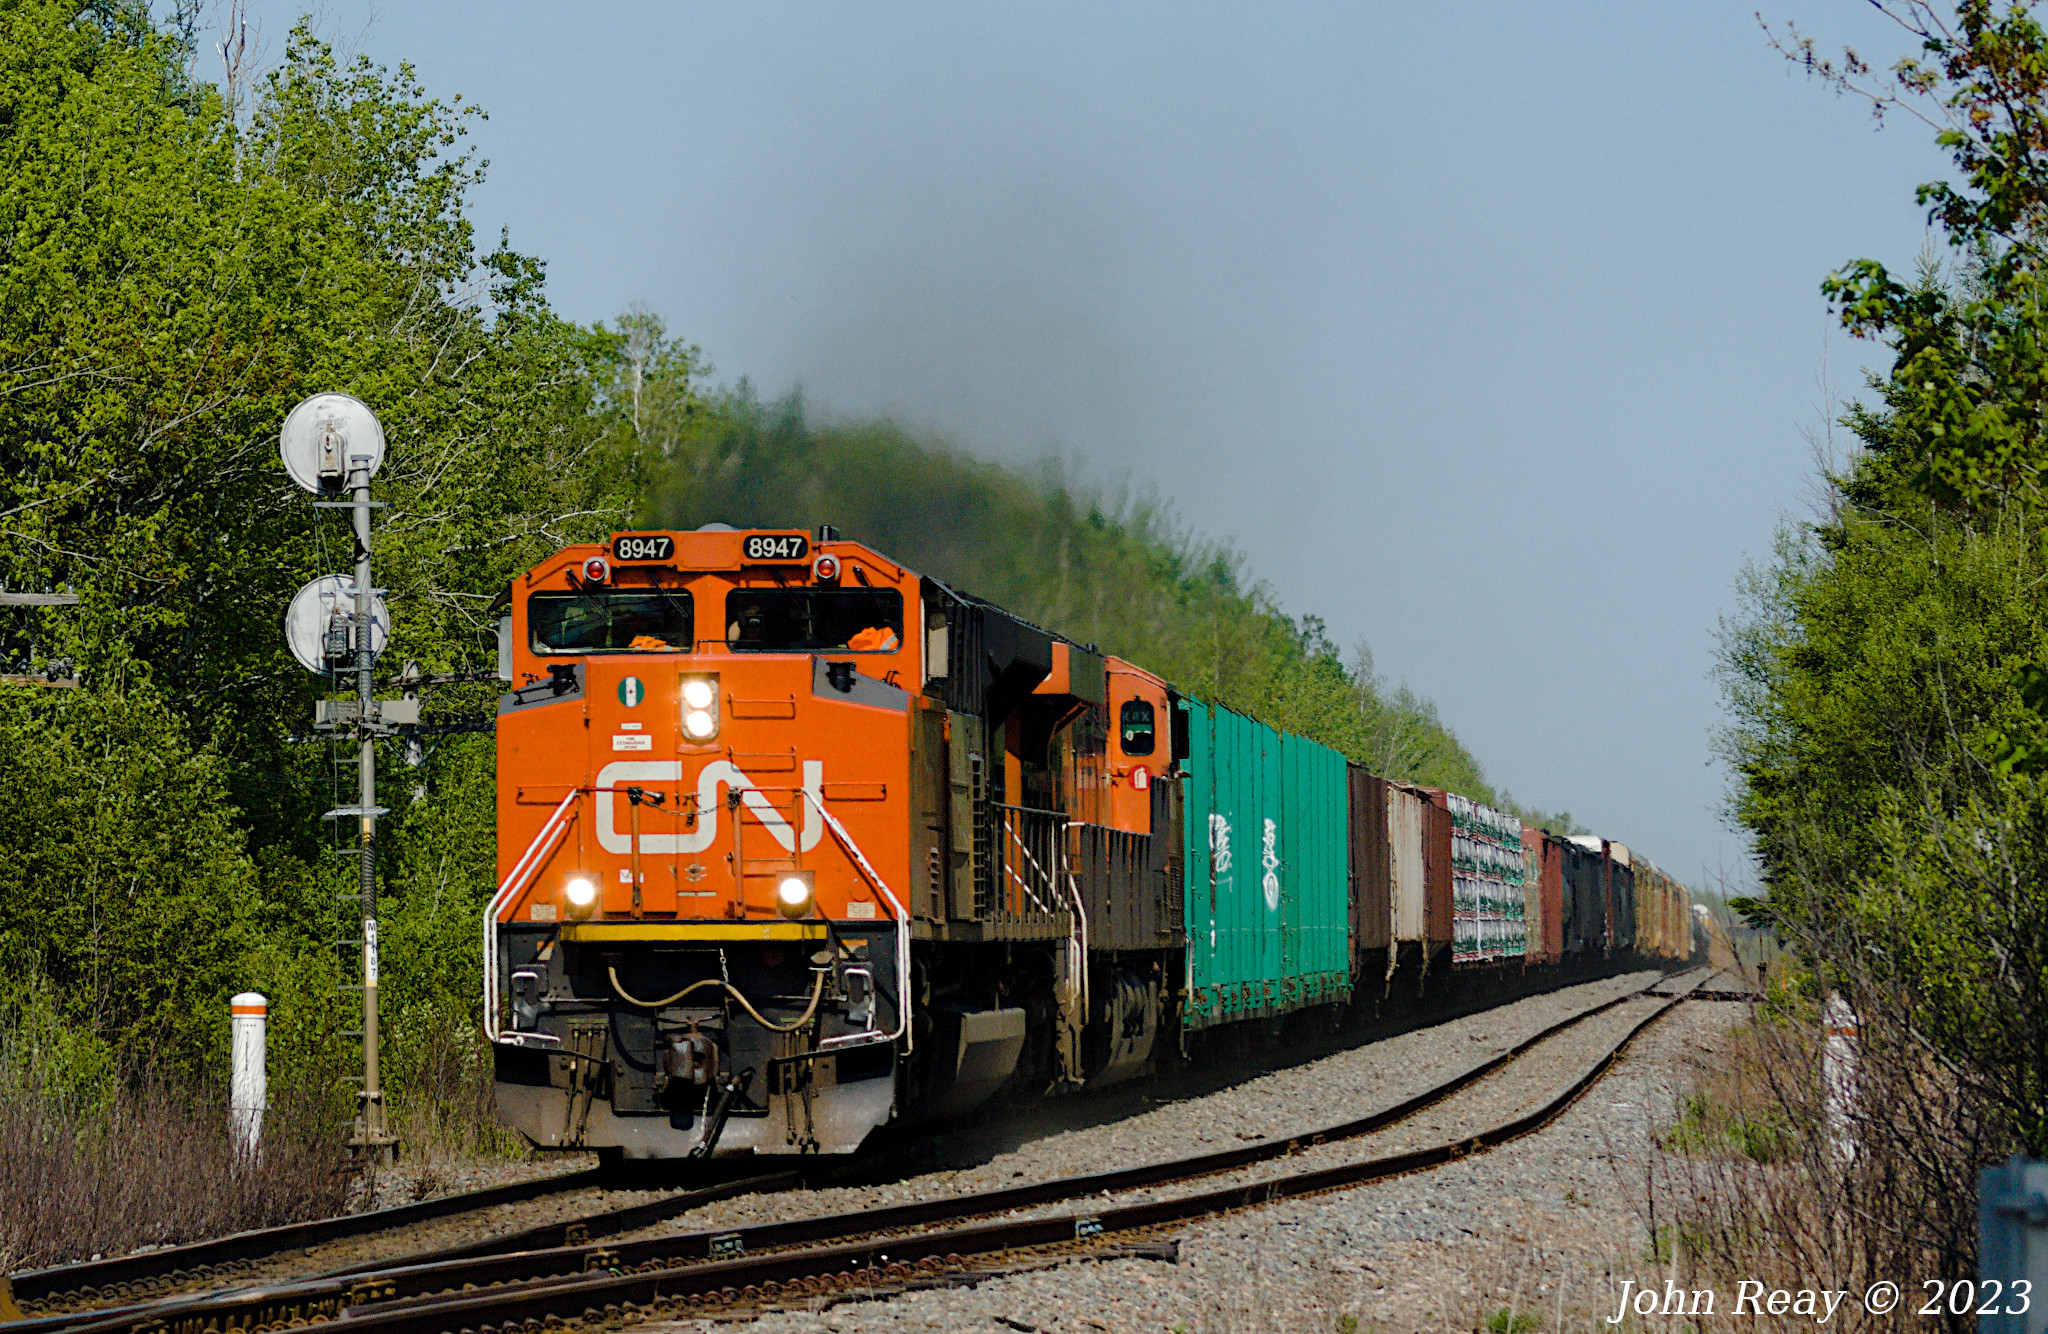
{"x": 795, "y": 893}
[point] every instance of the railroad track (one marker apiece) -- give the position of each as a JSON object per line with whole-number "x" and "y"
{"x": 505, "y": 1288}
{"x": 542, "y": 1237}
{"x": 220, "y": 1257}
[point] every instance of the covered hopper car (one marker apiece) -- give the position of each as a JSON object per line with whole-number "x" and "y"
{"x": 795, "y": 843}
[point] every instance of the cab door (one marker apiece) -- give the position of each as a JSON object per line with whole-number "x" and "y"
{"x": 1140, "y": 749}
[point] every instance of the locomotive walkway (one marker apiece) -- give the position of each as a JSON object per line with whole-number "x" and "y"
{"x": 923, "y": 1243}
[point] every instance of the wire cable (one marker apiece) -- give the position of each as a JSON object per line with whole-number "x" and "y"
{"x": 811, "y": 1009}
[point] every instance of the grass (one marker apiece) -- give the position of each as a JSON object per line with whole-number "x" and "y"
{"x": 145, "y": 1162}
{"x": 1760, "y": 1105}
{"x": 100, "y": 1157}
{"x": 1762, "y": 1134}
{"x": 446, "y": 1118}
{"x": 1753, "y": 1187}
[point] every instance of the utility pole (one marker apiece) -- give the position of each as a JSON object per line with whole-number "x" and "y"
{"x": 329, "y": 443}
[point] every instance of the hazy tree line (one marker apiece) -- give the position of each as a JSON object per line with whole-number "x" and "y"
{"x": 1116, "y": 571}
{"x": 178, "y": 271}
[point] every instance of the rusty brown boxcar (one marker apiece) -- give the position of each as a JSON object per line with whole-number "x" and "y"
{"x": 1532, "y": 893}
{"x": 1436, "y": 869}
{"x": 1551, "y": 887}
{"x": 1372, "y": 880}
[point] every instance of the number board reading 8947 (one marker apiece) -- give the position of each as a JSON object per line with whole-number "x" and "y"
{"x": 776, "y": 547}
{"x": 643, "y": 546}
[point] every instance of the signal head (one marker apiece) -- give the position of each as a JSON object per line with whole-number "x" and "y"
{"x": 325, "y": 605}
{"x": 326, "y": 438}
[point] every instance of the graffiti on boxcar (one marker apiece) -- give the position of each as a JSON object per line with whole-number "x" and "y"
{"x": 1219, "y": 844}
{"x": 1270, "y": 859}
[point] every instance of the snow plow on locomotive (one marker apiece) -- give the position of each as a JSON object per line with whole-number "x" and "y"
{"x": 795, "y": 843}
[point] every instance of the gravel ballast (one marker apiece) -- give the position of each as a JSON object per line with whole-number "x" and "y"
{"x": 1292, "y": 1100}
{"x": 1301, "y": 1098}
{"x": 1335, "y": 1088}
{"x": 1550, "y": 1222}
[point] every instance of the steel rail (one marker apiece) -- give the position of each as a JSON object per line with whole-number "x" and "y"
{"x": 545, "y": 1237}
{"x": 72, "y": 1280}
{"x": 578, "y": 1231}
{"x": 426, "y": 1278}
{"x": 807, "y": 1270}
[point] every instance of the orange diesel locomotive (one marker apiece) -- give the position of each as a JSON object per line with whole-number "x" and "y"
{"x": 794, "y": 843}
{"x": 774, "y": 869}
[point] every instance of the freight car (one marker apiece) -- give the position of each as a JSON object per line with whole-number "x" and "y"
{"x": 795, "y": 842}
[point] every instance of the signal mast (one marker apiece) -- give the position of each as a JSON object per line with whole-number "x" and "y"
{"x": 331, "y": 444}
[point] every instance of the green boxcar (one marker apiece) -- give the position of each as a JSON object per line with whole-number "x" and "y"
{"x": 1268, "y": 917}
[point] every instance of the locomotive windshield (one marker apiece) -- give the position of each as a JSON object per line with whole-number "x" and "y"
{"x": 803, "y": 620}
{"x": 1135, "y": 724}
{"x": 611, "y": 621}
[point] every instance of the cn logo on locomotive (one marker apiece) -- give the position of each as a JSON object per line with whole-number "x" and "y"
{"x": 716, "y": 774}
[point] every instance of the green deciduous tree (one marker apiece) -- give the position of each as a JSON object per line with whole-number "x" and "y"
{"x": 1878, "y": 672}
{"x": 124, "y": 880}
{"x": 174, "y": 281}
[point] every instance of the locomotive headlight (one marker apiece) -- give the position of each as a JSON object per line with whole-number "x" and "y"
{"x": 794, "y": 893}
{"x": 581, "y": 893}
{"x": 700, "y": 707}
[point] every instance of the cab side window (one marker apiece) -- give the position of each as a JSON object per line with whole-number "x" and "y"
{"x": 1135, "y": 727}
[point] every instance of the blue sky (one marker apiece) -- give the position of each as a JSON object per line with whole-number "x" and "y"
{"x": 1490, "y": 333}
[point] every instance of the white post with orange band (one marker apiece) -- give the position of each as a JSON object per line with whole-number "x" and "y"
{"x": 248, "y": 1085}
{"x": 1838, "y": 1077}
